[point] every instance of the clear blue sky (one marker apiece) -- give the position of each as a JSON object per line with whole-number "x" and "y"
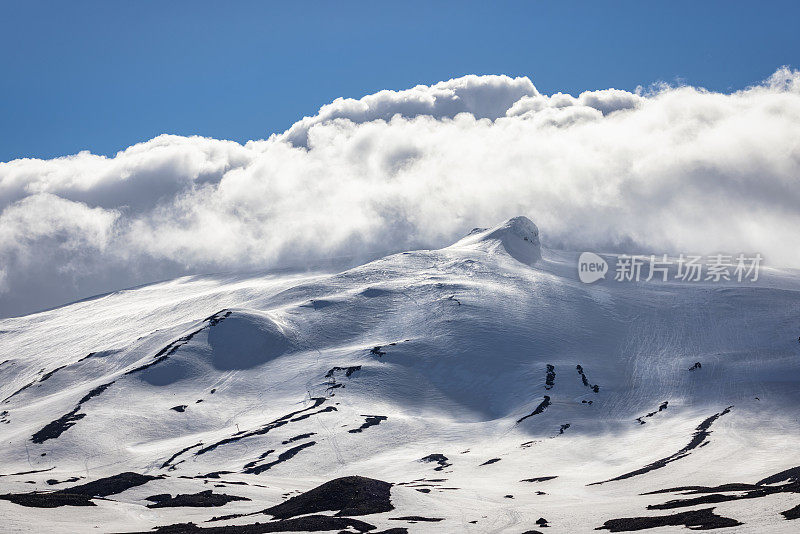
{"x": 104, "y": 75}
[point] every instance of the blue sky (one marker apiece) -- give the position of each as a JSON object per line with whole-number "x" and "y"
{"x": 101, "y": 76}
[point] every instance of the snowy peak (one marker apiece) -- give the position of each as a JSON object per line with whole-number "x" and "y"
{"x": 468, "y": 393}
{"x": 518, "y": 237}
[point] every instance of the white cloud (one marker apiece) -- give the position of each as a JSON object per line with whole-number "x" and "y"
{"x": 673, "y": 170}
{"x": 482, "y": 96}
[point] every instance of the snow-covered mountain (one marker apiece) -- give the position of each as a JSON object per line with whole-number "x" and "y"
{"x": 477, "y": 388}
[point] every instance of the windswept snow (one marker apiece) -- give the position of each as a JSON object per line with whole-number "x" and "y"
{"x": 479, "y": 388}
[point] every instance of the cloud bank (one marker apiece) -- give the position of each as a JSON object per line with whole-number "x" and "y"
{"x": 672, "y": 169}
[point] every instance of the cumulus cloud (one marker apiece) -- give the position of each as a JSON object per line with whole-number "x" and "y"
{"x": 674, "y": 169}
{"x": 484, "y": 97}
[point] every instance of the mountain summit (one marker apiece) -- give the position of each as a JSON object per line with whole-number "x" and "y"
{"x": 518, "y": 237}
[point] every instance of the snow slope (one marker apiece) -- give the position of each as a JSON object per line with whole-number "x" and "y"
{"x": 482, "y": 380}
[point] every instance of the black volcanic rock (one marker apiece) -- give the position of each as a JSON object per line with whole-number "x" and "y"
{"x": 79, "y": 495}
{"x": 353, "y": 495}
{"x": 203, "y": 499}
{"x": 704, "y": 519}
